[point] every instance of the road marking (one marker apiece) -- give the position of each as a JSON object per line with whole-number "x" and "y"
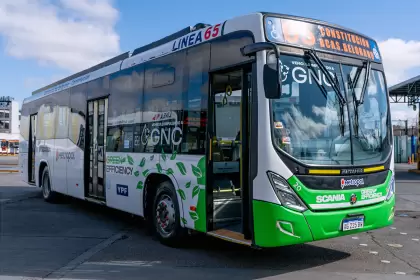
{"x": 373, "y": 252}
{"x": 403, "y": 233}
{"x": 86, "y": 255}
{"x": 355, "y": 237}
{"x": 385, "y": 261}
{"x": 415, "y": 239}
{"x": 395, "y": 245}
{"x": 400, "y": 273}
{"x": 393, "y": 228}
{"x": 365, "y": 245}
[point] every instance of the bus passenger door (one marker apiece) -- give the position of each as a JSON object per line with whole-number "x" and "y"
{"x": 228, "y": 154}
{"x": 97, "y": 122}
{"x": 32, "y": 148}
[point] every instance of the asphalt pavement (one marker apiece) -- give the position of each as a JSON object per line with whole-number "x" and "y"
{"x": 75, "y": 240}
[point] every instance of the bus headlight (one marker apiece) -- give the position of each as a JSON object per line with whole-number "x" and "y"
{"x": 285, "y": 193}
{"x": 391, "y": 188}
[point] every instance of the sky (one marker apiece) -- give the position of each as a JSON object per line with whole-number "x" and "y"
{"x": 46, "y": 40}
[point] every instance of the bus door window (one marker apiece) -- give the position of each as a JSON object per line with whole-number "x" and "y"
{"x": 227, "y": 124}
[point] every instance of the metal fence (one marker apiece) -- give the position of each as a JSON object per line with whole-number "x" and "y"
{"x": 405, "y": 148}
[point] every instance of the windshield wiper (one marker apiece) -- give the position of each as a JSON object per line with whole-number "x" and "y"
{"x": 357, "y": 103}
{"x": 334, "y": 84}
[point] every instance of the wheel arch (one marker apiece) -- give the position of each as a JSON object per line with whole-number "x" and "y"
{"x": 150, "y": 186}
{"x": 42, "y": 165}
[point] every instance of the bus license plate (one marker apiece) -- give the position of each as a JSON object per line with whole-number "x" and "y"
{"x": 353, "y": 223}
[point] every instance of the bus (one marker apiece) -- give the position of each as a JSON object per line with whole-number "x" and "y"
{"x": 264, "y": 130}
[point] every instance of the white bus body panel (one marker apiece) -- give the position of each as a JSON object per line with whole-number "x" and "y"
{"x": 75, "y": 172}
{"x": 59, "y": 173}
{"x": 23, "y": 166}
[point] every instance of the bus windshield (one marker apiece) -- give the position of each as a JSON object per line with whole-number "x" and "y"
{"x": 312, "y": 125}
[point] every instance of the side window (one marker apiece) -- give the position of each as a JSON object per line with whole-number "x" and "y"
{"x": 46, "y": 124}
{"x": 163, "y": 104}
{"x": 226, "y": 50}
{"x": 196, "y": 100}
{"x": 125, "y": 110}
{"x": 77, "y": 122}
{"x": 61, "y": 114}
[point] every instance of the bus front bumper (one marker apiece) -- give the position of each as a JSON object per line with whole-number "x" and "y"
{"x": 275, "y": 225}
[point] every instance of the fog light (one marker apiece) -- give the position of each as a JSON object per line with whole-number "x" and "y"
{"x": 286, "y": 228}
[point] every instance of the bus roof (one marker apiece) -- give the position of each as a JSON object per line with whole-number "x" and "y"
{"x": 156, "y": 49}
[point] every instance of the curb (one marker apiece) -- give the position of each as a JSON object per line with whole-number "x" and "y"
{"x": 414, "y": 171}
{"x": 8, "y": 171}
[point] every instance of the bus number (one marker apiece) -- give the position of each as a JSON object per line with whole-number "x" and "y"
{"x": 212, "y": 31}
{"x": 296, "y": 33}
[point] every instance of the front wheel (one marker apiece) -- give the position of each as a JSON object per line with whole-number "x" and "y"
{"x": 166, "y": 217}
{"x": 47, "y": 193}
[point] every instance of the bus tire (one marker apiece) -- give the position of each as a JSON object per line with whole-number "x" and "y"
{"x": 166, "y": 216}
{"x": 47, "y": 193}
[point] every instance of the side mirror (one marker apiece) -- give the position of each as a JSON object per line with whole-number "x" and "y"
{"x": 272, "y": 72}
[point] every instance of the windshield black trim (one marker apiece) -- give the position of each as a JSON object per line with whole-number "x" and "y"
{"x": 329, "y": 57}
{"x": 298, "y": 167}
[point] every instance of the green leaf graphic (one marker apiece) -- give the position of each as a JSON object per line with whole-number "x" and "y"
{"x": 122, "y": 159}
{"x": 163, "y": 155}
{"x": 173, "y": 156}
{"x": 145, "y": 172}
{"x": 195, "y": 191}
{"x": 196, "y": 171}
{"x": 194, "y": 215}
{"x": 130, "y": 160}
{"x": 184, "y": 221}
{"x": 182, "y": 194}
{"x": 140, "y": 185}
{"x": 136, "y": 174}
{"x": 170, "y": 171}
{"x": 159, "y": 167}
{"x": 188, "y": 185}
{"x": 181, "y": 168}
{"x": 142, "y": 162}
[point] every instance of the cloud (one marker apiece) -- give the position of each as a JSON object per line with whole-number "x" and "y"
{"x": 38, "y": 82}
{"x": 399, "y": 58}
{"x": 70, "y": 34}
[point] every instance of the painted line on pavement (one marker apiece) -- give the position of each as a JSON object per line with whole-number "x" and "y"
{"x": 86, "y": 255}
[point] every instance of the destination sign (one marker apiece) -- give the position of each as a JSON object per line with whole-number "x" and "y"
{"x": 320, "y": 37}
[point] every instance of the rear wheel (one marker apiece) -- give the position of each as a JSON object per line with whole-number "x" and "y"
{"x": 47, "y": 193}
{"x": 166, "y": 217}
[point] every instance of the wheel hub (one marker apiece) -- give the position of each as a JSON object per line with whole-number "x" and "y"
{"x": 165, "y": 215}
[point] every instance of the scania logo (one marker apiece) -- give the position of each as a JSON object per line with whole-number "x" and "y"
{"x": 353, "y": 199}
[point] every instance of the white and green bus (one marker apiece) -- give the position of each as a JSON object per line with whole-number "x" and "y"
{"x": 266, "y": 130}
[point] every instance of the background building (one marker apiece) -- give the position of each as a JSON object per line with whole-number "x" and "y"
{"x": 9, "y": 125}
